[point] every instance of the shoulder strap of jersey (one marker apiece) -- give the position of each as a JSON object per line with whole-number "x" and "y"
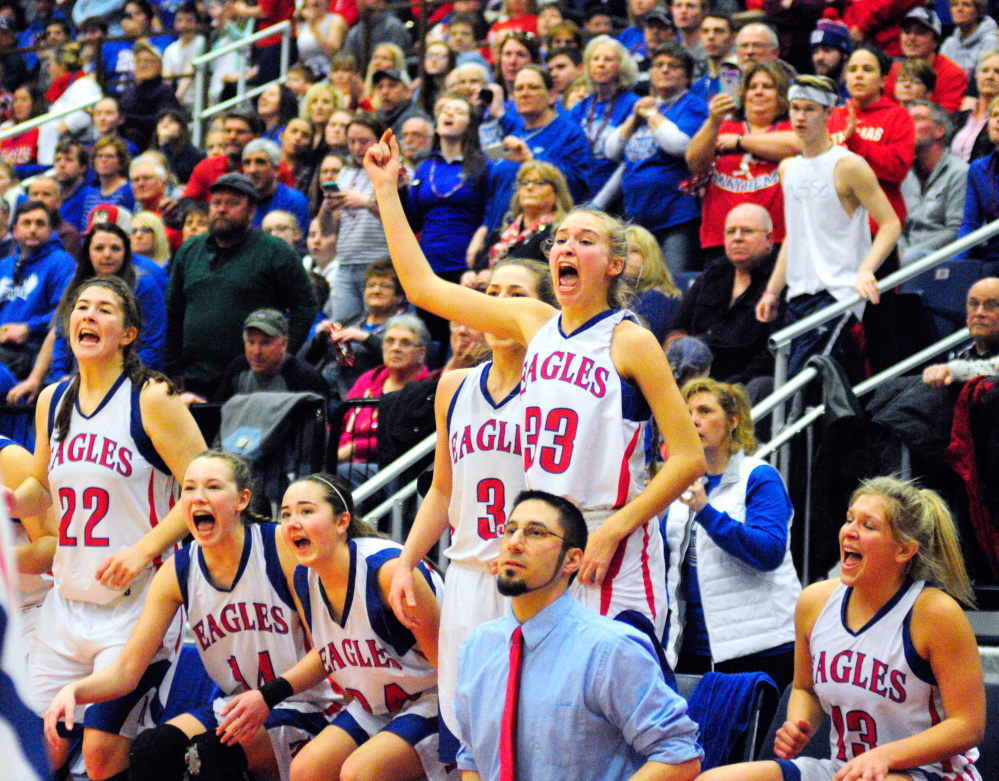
{"x": 301, "y": 580}
{"x": 142, "y": 440}
{"x": 182, "y": 563}
{"x": 55, "y": 401}
{"x": 272, "y": 561}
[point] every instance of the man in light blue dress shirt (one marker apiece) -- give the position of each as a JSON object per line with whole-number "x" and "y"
{"x": 593, "y": 701}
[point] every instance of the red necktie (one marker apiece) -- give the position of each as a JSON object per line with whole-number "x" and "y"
{"x": 508, "y": 732}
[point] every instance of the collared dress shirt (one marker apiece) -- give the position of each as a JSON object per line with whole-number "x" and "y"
{"x": 593, "y": 701}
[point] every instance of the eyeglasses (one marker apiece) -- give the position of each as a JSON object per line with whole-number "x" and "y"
{"x": 404, "y": 344}
{"x": 533, "y": 532}
{"x": 759, "y": 46}
{"x": 990, "y": 305}
{"x": 744, "y": 231}
{"x": 279, "y": 229}
{"x": 376, "y": 285}
{"x": 534, "y": 183}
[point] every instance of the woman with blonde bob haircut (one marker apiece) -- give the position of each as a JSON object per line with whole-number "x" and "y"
{"x": 886, "y": 650}
{"x": 149, "y": 238}
{"x": 654, "y": 294}
{"x": 731, "y": 582}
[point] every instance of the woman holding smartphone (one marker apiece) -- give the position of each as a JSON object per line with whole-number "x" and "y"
{"x": 740, "y": 146}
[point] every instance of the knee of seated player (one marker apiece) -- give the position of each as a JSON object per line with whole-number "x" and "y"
{"x": 104, "y": 754}
{"x": 310, "y": 764}
{"x": 158, "y": 754}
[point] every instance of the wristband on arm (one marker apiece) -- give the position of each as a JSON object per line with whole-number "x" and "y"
{"x": 275, "y": 692}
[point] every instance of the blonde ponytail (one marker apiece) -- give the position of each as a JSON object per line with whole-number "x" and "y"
{"x": 920, "y": 515}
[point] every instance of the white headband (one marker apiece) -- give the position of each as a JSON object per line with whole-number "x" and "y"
{"x": 814, "y": 94}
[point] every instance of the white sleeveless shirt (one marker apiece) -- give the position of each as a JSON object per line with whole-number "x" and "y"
{"x": 487, "y": 466}
{"x": 583, "y": 424}
{"x": 825, "y": 245}
{"x": 249, "y": 633}
{"x": 109, "y": 487}
{"x": 874, "y": 685}
{"x": 368, "y": 653}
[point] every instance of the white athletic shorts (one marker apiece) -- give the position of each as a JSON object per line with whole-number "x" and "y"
{"x": 636, "y": 579}
{"x": 470, "y": 599}
{"x": 416, "y": 723}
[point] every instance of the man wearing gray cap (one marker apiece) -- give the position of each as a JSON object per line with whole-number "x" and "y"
{"x": 265, "y": 364}
{"x": 921, "y": 35}
{"x": 396, "y": 105}
{"x": 220, "y": 278}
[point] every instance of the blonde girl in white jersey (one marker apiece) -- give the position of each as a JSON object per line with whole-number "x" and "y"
{"x": 886, "y": 650}
{"x": 109, "y": 502}
{"x": 586, "y": 259}
{"x": 490, "y": 478}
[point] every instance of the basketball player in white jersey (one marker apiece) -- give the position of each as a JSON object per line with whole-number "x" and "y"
{"x": 886, "y": 651}
{"x": 235, "y": 581}
{"x": 389, "y": 728}
{"x": 478, "y": 472}
{"x": 34, "y": 541}
{"x": 21, "y": 744}
{"x": 591, "y": 377}
{"x": 110, "y": 442}
{"x": 828, "y": 194}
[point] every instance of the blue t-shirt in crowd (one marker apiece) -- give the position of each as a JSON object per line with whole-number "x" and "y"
{"x": 286, "y": 199}
{"x": 448, "y": 207}
{"x": 598, "y": 120}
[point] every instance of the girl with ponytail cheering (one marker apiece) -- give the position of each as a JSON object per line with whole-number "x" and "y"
{"x": 388, "y": 731}
{"x": 886, "y": 651}
{"x": 110, "y": 441}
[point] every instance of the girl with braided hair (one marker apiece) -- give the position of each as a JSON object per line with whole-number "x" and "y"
{"x": 110, "y": 441}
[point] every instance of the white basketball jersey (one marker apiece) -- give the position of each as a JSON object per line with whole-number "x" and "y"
{"x": 250, "y": 633}
{"x": 368, "y": 653}
{"x": 109, "y": 488}
{"x": 487, "y": 466}
{"x": 584, "y": 425}
{"x": 874, "y": 685}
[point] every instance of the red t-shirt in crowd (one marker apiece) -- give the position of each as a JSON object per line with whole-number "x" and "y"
{"x": 741, "y": 178}
{"x": 211, "y": 168}
{"x": 275, "y": 11}
{"x": 886, "y": 138}
{"x": 952, "y": 83}
{"x": 21, "y": 149}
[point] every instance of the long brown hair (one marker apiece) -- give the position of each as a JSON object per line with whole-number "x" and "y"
{"x": 131, "y": 363}
{"x": 337, "y": 495}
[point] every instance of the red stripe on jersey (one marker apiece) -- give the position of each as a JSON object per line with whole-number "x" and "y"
{"x": 934, "y": 720}
{"x": 153, "y": 518}
{"x": 607, "y": 587}
{"x": 624, "y": 479}
{"x": 646, "y": 573}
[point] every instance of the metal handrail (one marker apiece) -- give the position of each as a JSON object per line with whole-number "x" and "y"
{"x": 46, "y": 118}
{"x": 241, "y": 43}
{"x": 396, "y": 468}
{"x": 865, "y": 387}
{"x": 390, "y": 504}
{"x": 904, "y": 274}
{"x": 200, "y": 65}
{"x": 218, "y": 108}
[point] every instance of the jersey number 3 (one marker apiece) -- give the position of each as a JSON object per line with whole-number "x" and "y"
{"x": 94, "y": 499}
{"x": 492, "y": 493}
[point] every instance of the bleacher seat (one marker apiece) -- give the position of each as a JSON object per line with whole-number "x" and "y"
{"x": 817, "y": 747}
{"x": 736, "y": 747}
{"x": 943, "y": 291}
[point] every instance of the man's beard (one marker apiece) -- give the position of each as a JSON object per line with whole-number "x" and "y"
{"x": 227, "y": 230}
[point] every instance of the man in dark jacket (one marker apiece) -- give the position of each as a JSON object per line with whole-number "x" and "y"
{"x": 219, "y": 278}
{"x": 266, "y": 365}
{"x": 147, "y": 96}
{"x": 719, "y": 308}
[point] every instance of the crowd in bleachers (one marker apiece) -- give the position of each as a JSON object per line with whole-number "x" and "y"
{"x": 273, "y": 258}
